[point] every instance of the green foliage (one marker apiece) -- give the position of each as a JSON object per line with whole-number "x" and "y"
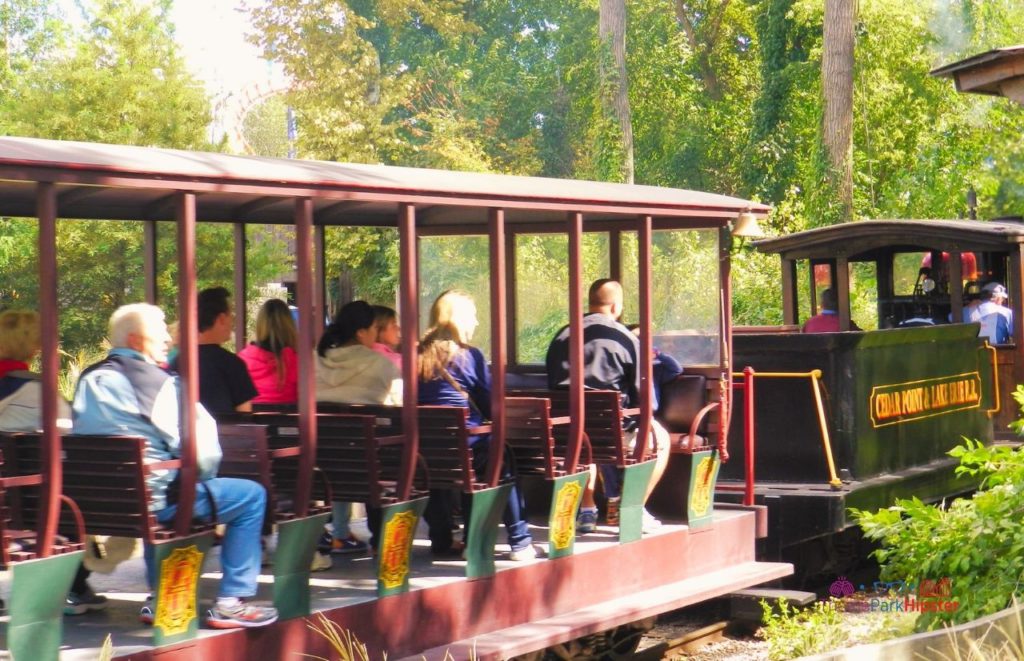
{"x": 977, "y": 542}
{"x": 793, "y": 633}
{"x": 826, "y": 626}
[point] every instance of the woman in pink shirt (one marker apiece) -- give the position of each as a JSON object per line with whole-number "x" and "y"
{"x": 389, "y": 335}
{"x": 271, "y": 359}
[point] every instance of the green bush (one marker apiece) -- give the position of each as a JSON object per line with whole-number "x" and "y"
{"x": 792, "y": 633}
{"x": 977, "y": 543}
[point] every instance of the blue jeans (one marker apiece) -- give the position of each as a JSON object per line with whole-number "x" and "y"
{"x": 240, "y": 506}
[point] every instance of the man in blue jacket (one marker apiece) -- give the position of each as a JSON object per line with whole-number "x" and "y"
{"x": 128, "y": 393}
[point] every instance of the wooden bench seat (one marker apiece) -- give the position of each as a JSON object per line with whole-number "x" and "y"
{"x": 530, "y": 433}
{"x": 685, "y": 406}
{"x": 104, "y": 475}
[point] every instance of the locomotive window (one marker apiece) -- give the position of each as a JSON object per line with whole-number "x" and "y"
{"x": 542, "y": 287}
{"x": 457, "y": 262}
{"x": 905, "y": 268}
{"x": 685, "y": 295}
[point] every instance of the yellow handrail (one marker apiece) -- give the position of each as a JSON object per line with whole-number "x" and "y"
{"x": 826, "y": 441}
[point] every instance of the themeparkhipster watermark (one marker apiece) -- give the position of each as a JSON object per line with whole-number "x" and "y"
{"x": 925, "y": 596}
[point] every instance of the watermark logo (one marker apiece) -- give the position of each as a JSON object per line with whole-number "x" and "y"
{"x": 926, "y": 596}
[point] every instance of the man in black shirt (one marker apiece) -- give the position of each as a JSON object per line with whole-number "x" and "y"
{"x": 224, "y": 381}
{"x": 610, "y": 362}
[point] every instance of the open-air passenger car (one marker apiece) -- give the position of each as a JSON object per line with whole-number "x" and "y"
{"x": 399, "y": 601}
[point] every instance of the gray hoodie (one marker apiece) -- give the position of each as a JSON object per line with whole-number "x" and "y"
{"x": 357, "y": 375}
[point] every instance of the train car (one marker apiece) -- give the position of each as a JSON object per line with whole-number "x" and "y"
{"x": 857, "y": 418}
{"x": 398, "y": 601}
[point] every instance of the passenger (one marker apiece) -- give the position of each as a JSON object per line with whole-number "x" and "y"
{"x": 349, "y": 371}
{"x": 271, "y": 359}
{"x": 389, "y": 334}
{"x": 21, "y": 409}
{"x": 453, "y": 373}
{"x": 21, "y": 393}
{"x": 972, "y": 298}
{"x": 127, "y": 393}
{"x": 611, "y": 362}
{"x": 826, "y": 321}
{"x": 996, "y": 319}
{"x": 224, "y": 382}
{"x": 664, "y": 368}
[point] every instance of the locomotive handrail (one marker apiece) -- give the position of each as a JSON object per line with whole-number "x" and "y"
{"x": 826, "y": 441}
{"x": 995, "y": 379}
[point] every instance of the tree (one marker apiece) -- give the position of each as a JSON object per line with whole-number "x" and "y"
{"x": 837, "y": 91}
{"x": 120, "y": 80}
{"x": 615, "y": 79}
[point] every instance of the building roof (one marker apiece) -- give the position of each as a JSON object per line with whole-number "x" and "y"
{"x": 138, "y": 183}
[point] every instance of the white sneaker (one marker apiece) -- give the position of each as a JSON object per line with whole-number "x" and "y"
{"x": 360, "y": 529}
{"x": 650, "y": 523}
{"x": 321, "y": 561}
{"x": 526, "y": 553}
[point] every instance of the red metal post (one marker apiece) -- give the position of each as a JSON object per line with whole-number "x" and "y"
{"x": 499, "y": 342}
{"x": 241, "y": 295}
{"x": 49, "y": 506}
{"x": 149, "y": 259}
{"x": 307, "y": 330}
{"x": 410, "y": 315}
{"x": 748, "y": 434}
{"x": 725, "y": 312}
{"x": 575, "y": 222}
{"x": 188, "y": 359}
{"x": 646, "y": 366}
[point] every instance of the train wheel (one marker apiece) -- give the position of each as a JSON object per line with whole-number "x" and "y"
{"x": 611, "y": 645}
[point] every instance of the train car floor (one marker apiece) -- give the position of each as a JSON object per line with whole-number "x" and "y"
{"x": 533, "y": 601}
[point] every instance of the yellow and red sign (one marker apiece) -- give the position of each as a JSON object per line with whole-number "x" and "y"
{"x": 563, "y": 526}
{"x": 897, "y": 403}
{"x": 395, "y": 545}
{"x": 700, "y": 500}
{"x": 179, "y": 575}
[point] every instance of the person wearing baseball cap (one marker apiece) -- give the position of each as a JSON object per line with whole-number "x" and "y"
{"x": 996, "y": 319}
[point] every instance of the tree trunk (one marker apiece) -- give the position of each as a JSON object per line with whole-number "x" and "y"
{"x": 837, "y": 87}
{"x": 612, "y": 31}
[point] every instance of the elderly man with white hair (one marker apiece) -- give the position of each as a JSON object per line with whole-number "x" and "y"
{"x": 128, "y": 393}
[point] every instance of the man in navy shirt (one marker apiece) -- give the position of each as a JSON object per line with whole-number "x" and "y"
{"x": 610, "y": 362}
{"x": 224, "y": 381}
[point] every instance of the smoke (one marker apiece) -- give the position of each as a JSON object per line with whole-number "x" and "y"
{"x": 952, "y": 34}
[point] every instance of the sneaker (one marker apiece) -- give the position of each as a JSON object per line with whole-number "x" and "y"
{"x": 324, "y": 543}
{"x": 321, "y": 562}
{"x": 586, "y": 521}
{"x": 147, "y": 612}
{"x": 360, "y": 529}
{"x": 82, "y": 602}
{"x": 350, "y": 545}
{"x": 611, "y": 515}
{"x": 528, "y": 552}
{"x": 650, "y": 524}
{"x": 241, "y": 615}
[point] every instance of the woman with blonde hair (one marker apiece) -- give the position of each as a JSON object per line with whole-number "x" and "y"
{"x": 453, "y": 373}
{"x": 271, "y": 359}
{"x": 21, "y": 393}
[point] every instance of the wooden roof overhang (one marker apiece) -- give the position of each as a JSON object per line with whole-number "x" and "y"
{"x": 998, "y": 72}
{"x": 95, "y": 181}
{"x": 863, "y": 240}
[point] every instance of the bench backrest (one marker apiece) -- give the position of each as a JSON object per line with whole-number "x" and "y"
{"x": 104, "y": 475}
{"x": 444, "y": 447}
{"x": 529, "y": 434}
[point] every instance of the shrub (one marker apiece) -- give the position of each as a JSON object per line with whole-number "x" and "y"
{"x": 977, "y": 543}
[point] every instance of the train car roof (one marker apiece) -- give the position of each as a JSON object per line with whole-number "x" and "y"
{"x": 862, "y": 240}
{"x": 102, "y": 181}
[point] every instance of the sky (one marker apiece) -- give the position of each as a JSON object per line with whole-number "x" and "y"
{"x": 212, "y": 37}
{"x": 211, "y": 34}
